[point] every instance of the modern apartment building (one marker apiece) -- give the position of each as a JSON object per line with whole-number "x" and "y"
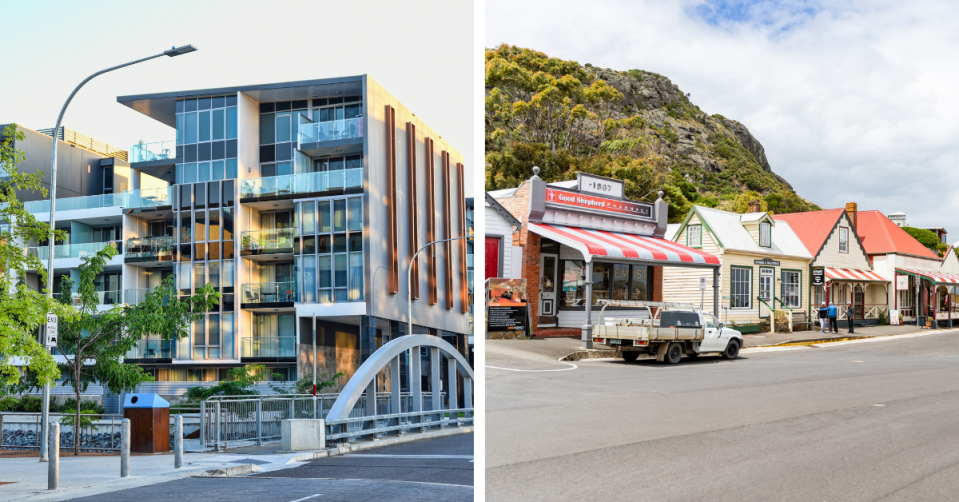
{"x": 295, "y": 200}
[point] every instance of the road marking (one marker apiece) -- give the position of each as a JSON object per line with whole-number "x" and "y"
{"x": 307, "y": 498}
{"x": 536, "y": 371}
{"x": 858, "y": 361}
{"x": 407, "y": 456}
{"x": 878, "y": 405}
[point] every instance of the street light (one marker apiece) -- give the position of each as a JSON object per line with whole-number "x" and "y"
{"x": 409, "y": 275}
{"x": 175, "y": 51}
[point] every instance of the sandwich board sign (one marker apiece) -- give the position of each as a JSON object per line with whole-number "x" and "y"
{"x": 50, "y": 331}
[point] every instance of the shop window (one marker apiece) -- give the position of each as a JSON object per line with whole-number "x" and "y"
{"x": 791, "y": 288}
{"x": 741, "y": 287}
{"x": 843, "y": 240}
{"x": 694, "y": 236}
{"x": 818, "y": 295}
{"x": 616, "y": 281}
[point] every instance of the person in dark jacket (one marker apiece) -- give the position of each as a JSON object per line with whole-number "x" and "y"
{"x": 823, "y": 318}
{"x": 833, "y": 323}
{"x": 850, "y": 315}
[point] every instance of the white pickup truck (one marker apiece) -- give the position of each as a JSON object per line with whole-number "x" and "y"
{"x": 668, "y": 335}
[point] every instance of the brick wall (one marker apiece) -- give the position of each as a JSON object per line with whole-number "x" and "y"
{"x": 657, "y": 278}
{"x": 518, "y": 206}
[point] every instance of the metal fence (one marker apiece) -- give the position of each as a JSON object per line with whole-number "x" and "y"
{"x": 21, "y": 431}
{"x": 233, "y": 421}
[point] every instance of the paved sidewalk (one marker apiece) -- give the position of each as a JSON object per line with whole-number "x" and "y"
{"x": 87, "y": 476}
{"x": 767, "y": 339}
{"x": 551, "y": 347}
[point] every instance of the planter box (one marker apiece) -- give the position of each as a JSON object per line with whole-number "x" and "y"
{"x": 748, "y": 328}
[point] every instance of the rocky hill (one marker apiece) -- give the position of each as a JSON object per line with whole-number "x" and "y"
{"x": 633, "y": 125}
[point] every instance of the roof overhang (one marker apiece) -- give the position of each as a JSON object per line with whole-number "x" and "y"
{"x": 853, "y": 275}
{"x": 162, "y": 106}
{"x": 934, "y": 277}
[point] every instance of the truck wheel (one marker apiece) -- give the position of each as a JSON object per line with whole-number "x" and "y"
{"x": 674, "y": 353}
{"x": 732, "y": 350}
{"x": 630, "y": 356}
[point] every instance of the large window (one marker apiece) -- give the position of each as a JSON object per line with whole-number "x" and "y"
{"x": 818, "y": 295}
{"x": 791, "y": 296}
{"x": 330, "y": 250}
{"x": 694, "y": 236}
{"x": 615, "y": 281}
{"x": 279, "y": 127}
{"x": 206, "y": 139}
{"x": 741, "y": 287}
{"x": 765, "y": 234}
{"x": 843, "y": 240}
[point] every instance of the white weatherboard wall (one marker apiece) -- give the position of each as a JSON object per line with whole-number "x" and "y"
{"x": 497, "y": 226}
{"x": 830, "y": 256}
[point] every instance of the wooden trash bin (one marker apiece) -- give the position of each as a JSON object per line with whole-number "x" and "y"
{"x": 149, "y": 416}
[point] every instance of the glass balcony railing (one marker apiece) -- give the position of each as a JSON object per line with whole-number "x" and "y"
{"x": 103, "y": 297}
{"x": 331, "y": 131}
{"x": 146, "y": 152}
{"x": 150, "y": 249}
{"x": 152, "y": 348}
{"x": 74, "y": 203}
{"x": 269, "y": 292}
{"x": 72, "y": 250}
{"x": 135, "y": 296}
{"x": 269, "y": 346}
{"x": 267, "y": 241}
{"x": 305, "y": 183}
{"x": 148, "y": 197}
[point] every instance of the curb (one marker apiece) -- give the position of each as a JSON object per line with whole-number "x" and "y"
{"x": 368, "y": 445}
{"x": 589, "y": 354}
{"x": 228, "y": 472}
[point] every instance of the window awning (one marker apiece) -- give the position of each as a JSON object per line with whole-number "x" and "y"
{"x": 627, "y": 247}
{"x": 934, "y": 277}
{"x": 853, "y": 274}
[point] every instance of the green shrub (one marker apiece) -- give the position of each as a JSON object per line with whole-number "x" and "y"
{"x": 70, "y": 406}
{"x": 882, "y": 318}
{"x": 9, "y": 403}
{"x": 30, "y": 404}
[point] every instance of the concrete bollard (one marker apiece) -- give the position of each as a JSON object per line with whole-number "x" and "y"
{"x": 125, "y": 448}
{"x": 53, "y": 456}
{"x": 178, "y": 442}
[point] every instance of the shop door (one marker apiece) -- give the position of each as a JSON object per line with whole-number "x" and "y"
{"x": 492, "y": 257}
{"x": 548, "y": 266}
{"x": 858, "y": 301}
{"x": 765, "y": 290}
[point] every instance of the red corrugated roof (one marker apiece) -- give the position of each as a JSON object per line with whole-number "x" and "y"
{"x": 879, "y": 235}
{"x": 813, "y": 227}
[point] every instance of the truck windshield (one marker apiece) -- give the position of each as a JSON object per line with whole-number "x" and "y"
{"x": 679, "y": 319}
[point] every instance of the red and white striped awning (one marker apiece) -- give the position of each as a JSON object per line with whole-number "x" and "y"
{"x": 935, "y": 277}
{"x": 853, "y": 274}
{"x": 603, "y": 243}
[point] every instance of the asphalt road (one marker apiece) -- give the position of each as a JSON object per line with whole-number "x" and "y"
{"x": 434, "y": 469}
{"x": 856, "y": 421}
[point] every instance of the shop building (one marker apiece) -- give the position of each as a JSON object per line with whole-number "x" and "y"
{"x": 582, "y": 241}
{"x": 764, "y": 263}
{"x": 294, "y": 200}
{"x": 503, "y": 259}
{"x": 841, "y": 271}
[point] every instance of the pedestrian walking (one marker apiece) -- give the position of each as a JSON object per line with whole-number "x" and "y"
{"x": 823, "y": 318}
{"x": 833, "y": 323}
{"x": 850, "y": 315}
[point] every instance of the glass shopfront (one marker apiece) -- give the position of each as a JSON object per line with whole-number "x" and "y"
{"x": 612, "y": 281}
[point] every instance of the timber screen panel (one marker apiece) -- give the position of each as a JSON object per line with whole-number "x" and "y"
{"x": 411, "y": 197}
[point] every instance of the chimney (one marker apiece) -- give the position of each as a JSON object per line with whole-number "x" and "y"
{"x": 754, "y": 206}
{"x": 853, "y": 212}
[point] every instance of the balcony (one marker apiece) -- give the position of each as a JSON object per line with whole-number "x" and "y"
{"x": 335, "y": 130}
{"x": 73, "y": 250}
{"x": 75, "y": 203}
{"x": 152, "y": 350}
{"x": 135, "y": 296}
{"x": 264, "y": 242}
{"x": 268, "y": 295}
{"x": 148, "y": 198}
{"x": 149, "y": 152}
{"x": 103, "y": 298}
{"x": 271, "y": 349}
{"x": 304, "y": 185}
{"x": 150, "y": 249}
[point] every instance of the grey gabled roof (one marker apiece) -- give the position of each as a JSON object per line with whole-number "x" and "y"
{"x": 161, "y": 106}
{"x": 491, "y": 202}
{"x": 730, "y": 231}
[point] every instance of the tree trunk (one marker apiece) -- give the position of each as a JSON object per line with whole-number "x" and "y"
{"x": 76, "y": 419}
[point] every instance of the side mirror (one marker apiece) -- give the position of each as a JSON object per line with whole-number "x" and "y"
{"x": 721, "y": 325}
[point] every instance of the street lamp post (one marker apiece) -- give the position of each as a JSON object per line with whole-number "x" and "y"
{"x": 176, "y": 51}
{"x": 409, "y": 276}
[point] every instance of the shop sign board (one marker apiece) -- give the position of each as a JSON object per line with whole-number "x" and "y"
{"x": 766, "y": 261}
{"x": 902, "y": 282}
{"x": 818, "y": 276}
{"x": 506, "y": 304}
{"x": 894, "y": 317}
{"x": 581, "y": 201}
{"x": 599, "y": 185}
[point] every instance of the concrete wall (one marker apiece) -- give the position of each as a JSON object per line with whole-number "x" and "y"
{"x": 78, "y": 169}
{"x": 382, "y": 303}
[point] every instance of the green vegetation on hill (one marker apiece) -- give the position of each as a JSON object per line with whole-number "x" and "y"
{"x": 632, "y": 125}
{"x": 929, "y": 239}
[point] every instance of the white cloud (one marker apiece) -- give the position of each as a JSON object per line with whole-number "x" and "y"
{"x": 853, "y": 102}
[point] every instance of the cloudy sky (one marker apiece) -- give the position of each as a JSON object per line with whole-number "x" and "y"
{"x": 421, "y": 51}
{"x": 853, "y": 101}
